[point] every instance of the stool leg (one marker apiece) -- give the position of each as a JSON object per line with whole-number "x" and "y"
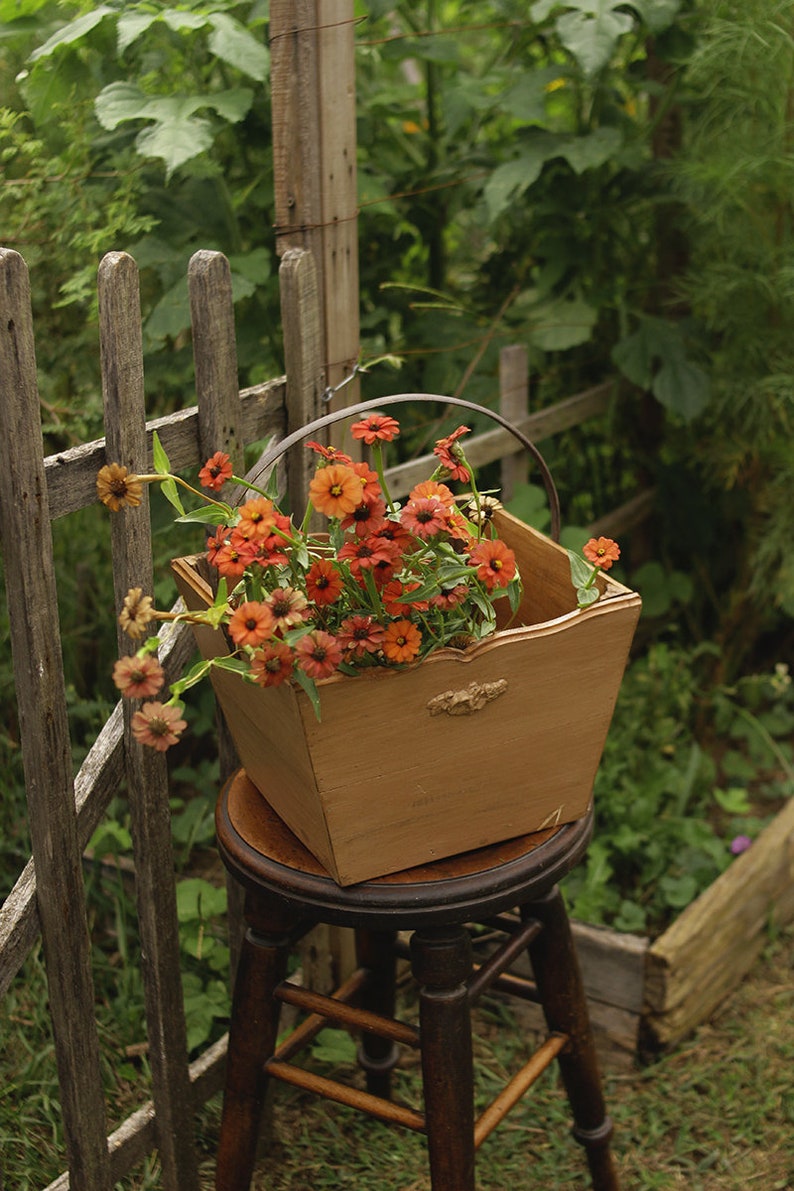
{"x": 377, "y": 1055}
{"x": 441, "y": 960}
{"x": 556, "y": 969}
{"x": 252, "y": 1040}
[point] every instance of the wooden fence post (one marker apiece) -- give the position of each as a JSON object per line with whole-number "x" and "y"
{"x": 314, "y": 151}
{"x": 514, "y": 405}
{"x": 147, "y": 775}
{"x": 41, "y": 699}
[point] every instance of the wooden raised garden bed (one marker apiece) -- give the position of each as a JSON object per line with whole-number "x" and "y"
{"x": 647, "y": 995}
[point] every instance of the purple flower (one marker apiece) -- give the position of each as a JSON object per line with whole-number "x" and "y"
{"x": 740, "y": 844}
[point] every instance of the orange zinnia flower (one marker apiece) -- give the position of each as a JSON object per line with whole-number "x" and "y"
{"x": 335, "y": 490}
{"x": 370, "y": 484}
{"x": 318, "y": 654}
{"x": 234, "y": 556}
{"x": 257, "y": 518}
{"x": 117, "y": 487}
{"x": 495, "y": 563}
{"x": 601, "y": 552}
{"x": 272, "y": 664}
{"x": 376, "y": 427}
{"x": 158, "y": 725}
{"x": 402, "y": 641}
{"x": 251, "y": 623}
{"x": 433, "y": 488}
{"x": 138, "y": 677}
{"x": 323, "y": 582}
{"x": 216, "y": 471}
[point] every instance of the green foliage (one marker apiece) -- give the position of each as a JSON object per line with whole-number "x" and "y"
{"x": 668, "y": 800}
{"x": 735, "y": 177}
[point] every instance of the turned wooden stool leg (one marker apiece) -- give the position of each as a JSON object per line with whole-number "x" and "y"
{"x": 559, "y": 982}
{"x": 252, "y": 1039}
{"x": 441, "y": 959}
{"x": 377, "y": 1055}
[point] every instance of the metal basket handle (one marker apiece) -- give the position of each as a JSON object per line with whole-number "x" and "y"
{"x": 273, "y": 454}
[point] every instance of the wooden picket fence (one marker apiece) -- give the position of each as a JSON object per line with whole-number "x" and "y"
{"x": 64, "y": 810}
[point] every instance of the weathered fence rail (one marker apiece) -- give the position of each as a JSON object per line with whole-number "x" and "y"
{"x": 63, "y": 811}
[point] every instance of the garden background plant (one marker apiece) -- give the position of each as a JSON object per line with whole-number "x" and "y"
{"x": 542, "y": 206}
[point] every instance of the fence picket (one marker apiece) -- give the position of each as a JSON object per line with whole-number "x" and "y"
{"x": 146, "y": 770}
{"x": 41, "y": 699}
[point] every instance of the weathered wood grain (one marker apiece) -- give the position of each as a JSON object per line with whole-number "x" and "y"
{"x": 97, "y": 781}
{"x": 71, "y": 475}
{"x": 303, "y": 360}
{"x": 514, "y": 405}
{"x": 41, "y": 700}
{"x": 136, "y": 1136}
{"x": 146, "y": 770}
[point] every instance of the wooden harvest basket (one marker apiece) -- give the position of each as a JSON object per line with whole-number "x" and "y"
{"x": 465, "y": 749}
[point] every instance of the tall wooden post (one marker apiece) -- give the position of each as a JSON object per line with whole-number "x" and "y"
{"x": 314, "y": 151}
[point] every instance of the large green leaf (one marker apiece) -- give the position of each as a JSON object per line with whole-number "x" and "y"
{"x": 657, "y": 14}
{"x": 682, "y": 387}
{"x": 562, "y": 324}
{"x": 73, "y": 31}
{"x": 591, "y": 31}
{"x": 592, "y": 36}
{"x": 588, "y": 152}
{"x": 131, "y": 26}
{"x": 511, "y": 179}
{"x": 232, "y": 42}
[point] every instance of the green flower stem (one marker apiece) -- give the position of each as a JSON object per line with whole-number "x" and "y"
{"x": 377, "y": 458}
{"x": 160, "y": 477}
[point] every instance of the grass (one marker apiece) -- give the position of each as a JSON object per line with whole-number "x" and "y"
{"x": 715, "y": 1115}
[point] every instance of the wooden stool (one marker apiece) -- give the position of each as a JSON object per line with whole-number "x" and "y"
{"x": 288, "y": 892}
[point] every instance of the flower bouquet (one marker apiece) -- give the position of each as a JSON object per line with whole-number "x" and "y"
{"x": 295, "y": 627}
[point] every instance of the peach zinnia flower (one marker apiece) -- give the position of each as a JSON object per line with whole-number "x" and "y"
{"x": 251, "y": 623}
{"x": 158, "y": 725}
{"x": 425, "y": 517}
{"x": 495, "y": 563}
{"x": 376, "y": 427}
{"x": 137, "y": 613}
{"x": 402, "y": 641}
{"x": 272, "y": 664}
{"x": 601, "y": 552}
{"x": 323, "y": 582}
{"x": 138, "y": 677}
{"x": 335, "y": 490}
{"x": 318, "y": 654}
{"x": 216, "y": 471}
{"x": 289, "y": 607}
{"x": 117, "y": 487}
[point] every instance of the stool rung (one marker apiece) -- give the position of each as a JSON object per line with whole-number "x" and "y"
{"x": 347, "y": 1015}
{"x": 503, "y": 957}
{"x": 304, "y": 1033}
{"x": 521, "y": 1082}
{"x": 375, "y": 1106}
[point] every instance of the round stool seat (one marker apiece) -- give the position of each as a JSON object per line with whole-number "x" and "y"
{"x": 262, "y": 853}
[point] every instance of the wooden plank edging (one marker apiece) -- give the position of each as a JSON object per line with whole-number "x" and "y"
{"x": 714, "y": 943}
